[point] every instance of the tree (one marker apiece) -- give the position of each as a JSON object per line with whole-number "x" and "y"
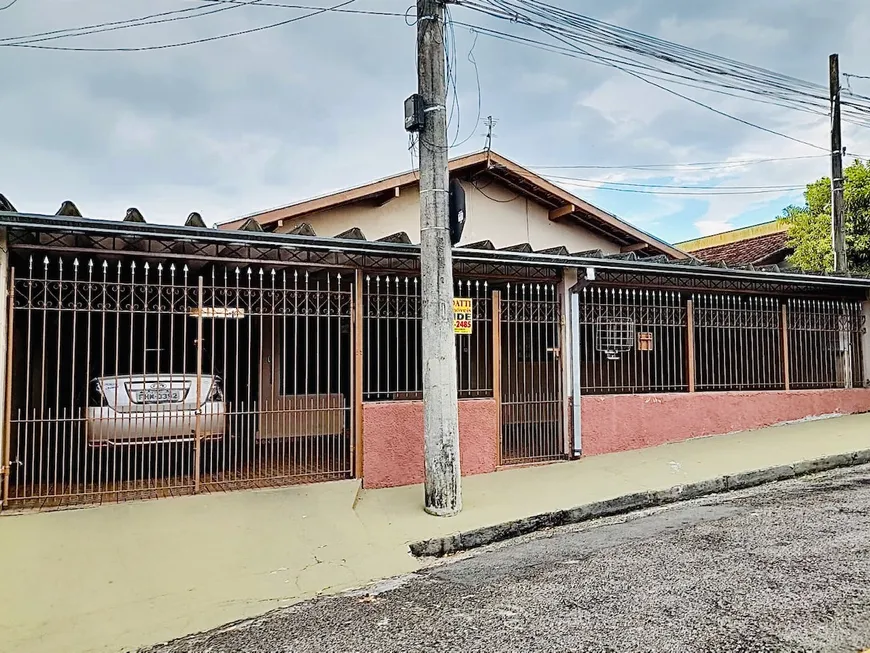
{"x": 809, "y": 226}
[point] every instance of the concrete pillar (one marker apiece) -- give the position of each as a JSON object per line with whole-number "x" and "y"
{"x": 865, "y": 341}
{"x": 570, "y": 363}
{"x": 4, "y": 321}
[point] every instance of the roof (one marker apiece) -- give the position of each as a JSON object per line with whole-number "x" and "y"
{"x": 763, "y": 243}
{"x": 195, "y": 241}
{"x": 563, "y": 206}
{"x": 760, "y": 249}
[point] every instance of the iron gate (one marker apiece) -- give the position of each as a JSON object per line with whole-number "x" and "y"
{"x": 133, "y": 379}
{"x": 532, "y": 428}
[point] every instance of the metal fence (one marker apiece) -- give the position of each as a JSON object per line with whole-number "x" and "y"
{"x": 632, "y": 341}
{"x": 392, "y": 333}
{"x": 738, "y": 343}
{"x": 147, "y": 378}
{"x": 530, "y": 326}
{"x": 515, "y": 359}
{"x": 825, "y": 344}
{"x": 642, "y": 341}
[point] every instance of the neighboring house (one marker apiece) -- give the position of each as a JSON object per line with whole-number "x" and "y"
{"x": 759, "y": 244}
{"x": 506, "y": 205}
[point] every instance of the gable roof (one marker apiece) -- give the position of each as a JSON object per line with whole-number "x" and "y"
{"x": 763, "y": 243}
{"x": 563, "y": 206}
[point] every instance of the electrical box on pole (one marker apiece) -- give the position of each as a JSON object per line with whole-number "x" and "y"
{"x": 415, "y": 115}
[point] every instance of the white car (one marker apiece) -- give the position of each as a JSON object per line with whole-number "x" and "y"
{"x": 152, "y": 408}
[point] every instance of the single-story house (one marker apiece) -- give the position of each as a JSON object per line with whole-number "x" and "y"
{"x": 150, "y": 360}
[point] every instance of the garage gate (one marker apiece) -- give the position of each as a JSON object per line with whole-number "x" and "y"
{"x": 135, "y": 378}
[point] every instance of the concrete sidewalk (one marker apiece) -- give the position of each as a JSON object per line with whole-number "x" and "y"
{"x": 117, "y": 577}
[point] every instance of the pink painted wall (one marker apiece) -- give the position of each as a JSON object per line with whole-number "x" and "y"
{"x": 393, "y": 441}
{"x": 621, "y": 422}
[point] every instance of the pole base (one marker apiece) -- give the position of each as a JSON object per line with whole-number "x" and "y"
{"x": 442, "y": 512}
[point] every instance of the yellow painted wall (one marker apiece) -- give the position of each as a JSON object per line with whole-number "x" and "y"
{"x": 494, "y": 213}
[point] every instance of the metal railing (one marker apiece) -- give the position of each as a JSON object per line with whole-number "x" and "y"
{"x": 532, "y": 408}
{"x": 632, "y": 341}
{"x": 134, "y": 379}
{"x": 738, "y": 343}
{"x": 392, "y": 332}
{"x": 642, "y": 341}
{"x": 825, "y": 344}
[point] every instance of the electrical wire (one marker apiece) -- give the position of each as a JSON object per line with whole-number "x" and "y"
{"x": 165, "y": 46}
{"x": 694, "y": 166}
{"x": 361, "y": 12}
{"x": 11, "y": 2}
{"x": 627, "y": 49}
{"x": 771, "y": 188}
{"x": 136, "y": 22}
{"x": 679, "y": 193}
{"x": 473, "y": 131}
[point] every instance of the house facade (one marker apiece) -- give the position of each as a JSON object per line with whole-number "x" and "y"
{"x": 148, "y": 360}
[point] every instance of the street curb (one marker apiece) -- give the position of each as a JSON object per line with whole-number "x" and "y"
{"x": 441, "y": 546}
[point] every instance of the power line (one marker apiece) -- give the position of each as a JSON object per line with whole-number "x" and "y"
{"x": 694, "y": 166}
{"x": 124, "y": 24}
{"x": 11, "y": 2}
{"x": 697, "y": 102}
{"x": 363, "y": 12}
{"x": 166, "y": 46}
{"x": 677, "y": 192}
{"x": 699, "y": 69}
{"x": 771, "y": 188}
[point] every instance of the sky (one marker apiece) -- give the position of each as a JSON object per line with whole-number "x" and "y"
{"x": 238, "y": 125}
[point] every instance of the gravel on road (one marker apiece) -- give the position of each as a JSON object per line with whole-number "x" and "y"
{"x": 780, "y": 568}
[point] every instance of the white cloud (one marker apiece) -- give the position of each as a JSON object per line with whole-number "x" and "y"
{"x": 242, "y": 124}
{"x": 710, "y": 227}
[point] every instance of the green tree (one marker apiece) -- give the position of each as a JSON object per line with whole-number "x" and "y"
{"x": 809, "y": 226}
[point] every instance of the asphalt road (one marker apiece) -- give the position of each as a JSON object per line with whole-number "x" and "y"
{"x": 784, "y": 567}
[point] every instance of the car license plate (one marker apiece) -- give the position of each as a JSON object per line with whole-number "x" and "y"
{"x": 159, "y": 396}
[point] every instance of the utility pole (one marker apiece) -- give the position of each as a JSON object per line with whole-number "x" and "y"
{"x": 838, "y": 227}
{"x": 440, "y": 395}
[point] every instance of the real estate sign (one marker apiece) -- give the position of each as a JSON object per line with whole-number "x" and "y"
{"x": 462, "y": 315}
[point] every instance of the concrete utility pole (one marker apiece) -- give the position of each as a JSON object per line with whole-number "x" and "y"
{"x": 440, "y": 395}
{"x": 838, "y": 227}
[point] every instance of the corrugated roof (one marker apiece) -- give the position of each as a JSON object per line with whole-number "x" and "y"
{"x": 355, "y": 242}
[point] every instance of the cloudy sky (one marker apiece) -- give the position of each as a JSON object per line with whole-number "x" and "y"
{"x": 232, "y": 126}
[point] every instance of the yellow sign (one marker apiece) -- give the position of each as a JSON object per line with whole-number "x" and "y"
{"x": 462, "y": 315}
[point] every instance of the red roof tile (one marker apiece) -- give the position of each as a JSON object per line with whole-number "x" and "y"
{"x": 749, "y": 250}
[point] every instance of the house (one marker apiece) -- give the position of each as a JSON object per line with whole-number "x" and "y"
{"x": 506, "y": 206}
{"x": 759, "y": 244}
{"x": 151, "y": 360}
